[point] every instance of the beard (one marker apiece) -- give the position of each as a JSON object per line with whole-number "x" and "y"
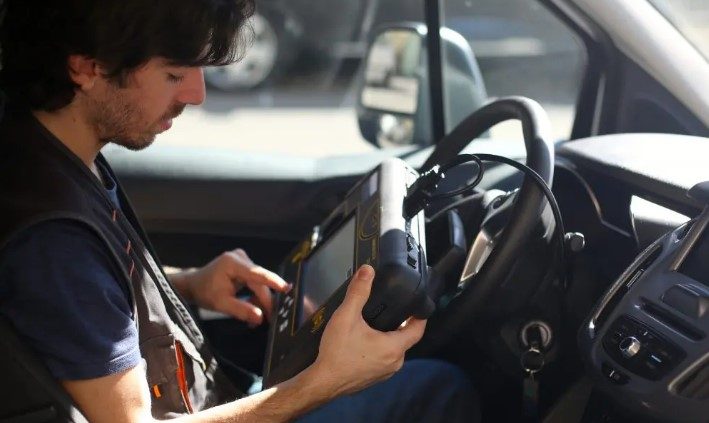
{"x": 118, "y": 118}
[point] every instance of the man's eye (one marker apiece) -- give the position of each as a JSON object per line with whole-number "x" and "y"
{"x": 171, "y": 77}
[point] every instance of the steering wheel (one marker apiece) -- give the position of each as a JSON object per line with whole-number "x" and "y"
{"x": 493, "y": 255}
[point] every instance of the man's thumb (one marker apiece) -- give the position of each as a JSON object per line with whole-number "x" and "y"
{"x": 359, "y": 288}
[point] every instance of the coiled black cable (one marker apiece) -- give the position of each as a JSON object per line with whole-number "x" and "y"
{"x": 422, "y": 193}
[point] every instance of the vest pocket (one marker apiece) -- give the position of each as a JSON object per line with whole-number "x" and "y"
{"x": 163, "y": 370}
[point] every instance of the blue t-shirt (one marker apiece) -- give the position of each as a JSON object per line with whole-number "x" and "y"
{"x": 58, "y": 290}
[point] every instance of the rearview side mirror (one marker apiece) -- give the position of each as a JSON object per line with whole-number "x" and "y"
{"x": 393, "y": 102}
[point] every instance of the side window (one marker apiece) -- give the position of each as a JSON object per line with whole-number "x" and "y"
{"x": 520, "y": 48}
{"x": 294, "y": 92}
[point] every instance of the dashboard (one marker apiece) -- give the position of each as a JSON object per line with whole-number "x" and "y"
{"x": 645, "y": 343}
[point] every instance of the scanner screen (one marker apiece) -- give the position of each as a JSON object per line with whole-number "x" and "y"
{"x": 327, "y": 269}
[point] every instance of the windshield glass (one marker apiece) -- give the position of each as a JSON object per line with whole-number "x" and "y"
{"x": 691, "y": 18}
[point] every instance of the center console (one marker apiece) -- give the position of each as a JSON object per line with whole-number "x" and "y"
{"x": 646, "y": 341}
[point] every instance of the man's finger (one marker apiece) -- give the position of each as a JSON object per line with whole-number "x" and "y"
{"x": 263, "y": 296}
{"x": 271, "y": 279}
{"x": 409, "y": 334}
{"x": 359, "y": 289}
{"x": 241, "y": 310}
{"x": 242, "y": 254}
{"x": 257, "y": 275}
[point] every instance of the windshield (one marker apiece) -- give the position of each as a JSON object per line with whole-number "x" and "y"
{"x": 690, "y": 17}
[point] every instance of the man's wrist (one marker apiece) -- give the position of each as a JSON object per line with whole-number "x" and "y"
{"x": 319, "y": 382}
{"x": 284, "y": 402}
{"x": 301, "y": 394}
{"x": 323, "y": 381}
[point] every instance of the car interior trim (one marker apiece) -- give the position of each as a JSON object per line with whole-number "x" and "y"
{"x": 631, "y": 24}
{"x": 692, "y": 238}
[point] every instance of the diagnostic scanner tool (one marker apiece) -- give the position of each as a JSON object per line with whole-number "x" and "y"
{"x": 369, "y": 227}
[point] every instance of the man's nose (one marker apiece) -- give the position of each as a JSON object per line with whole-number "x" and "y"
{"x": 193, "y": 91}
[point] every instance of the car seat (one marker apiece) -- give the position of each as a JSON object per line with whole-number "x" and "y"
{"x": 28, "y": 392}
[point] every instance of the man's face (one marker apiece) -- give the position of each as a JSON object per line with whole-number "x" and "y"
{"x": 133, "y": 114}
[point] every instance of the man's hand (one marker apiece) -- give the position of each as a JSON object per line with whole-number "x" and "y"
{"x": 215, "y": 285}
{"x": 354, "y": 356}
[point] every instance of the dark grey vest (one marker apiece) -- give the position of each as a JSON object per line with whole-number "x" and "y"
{"x": 40, "y": 180}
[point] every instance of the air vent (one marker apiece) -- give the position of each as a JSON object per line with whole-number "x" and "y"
{"x": 695, "y": 385}
{"x": 621, "y": 287}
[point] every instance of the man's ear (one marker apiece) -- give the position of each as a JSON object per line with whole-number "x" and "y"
{"x": 83, "y": 70}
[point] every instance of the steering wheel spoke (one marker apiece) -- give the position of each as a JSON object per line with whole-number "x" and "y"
{"x": 496, "y": 204}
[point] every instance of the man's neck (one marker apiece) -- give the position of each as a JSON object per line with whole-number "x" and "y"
{"x": 70, "y": 127}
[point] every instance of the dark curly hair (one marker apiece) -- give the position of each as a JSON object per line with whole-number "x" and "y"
{"x": 37, "y": 37}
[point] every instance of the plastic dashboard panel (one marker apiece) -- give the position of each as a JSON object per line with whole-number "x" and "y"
{"x": 673, "y": 347}
{"x": 642, "y": 347}
{"x": 660, "y": 165}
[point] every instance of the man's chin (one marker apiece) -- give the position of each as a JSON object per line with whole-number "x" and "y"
{"x": 135, "y": 145}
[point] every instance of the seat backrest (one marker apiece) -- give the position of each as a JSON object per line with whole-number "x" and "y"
{"x": 28, "y": 392}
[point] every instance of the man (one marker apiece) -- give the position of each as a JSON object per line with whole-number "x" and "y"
{"x": 78, "y": 278}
